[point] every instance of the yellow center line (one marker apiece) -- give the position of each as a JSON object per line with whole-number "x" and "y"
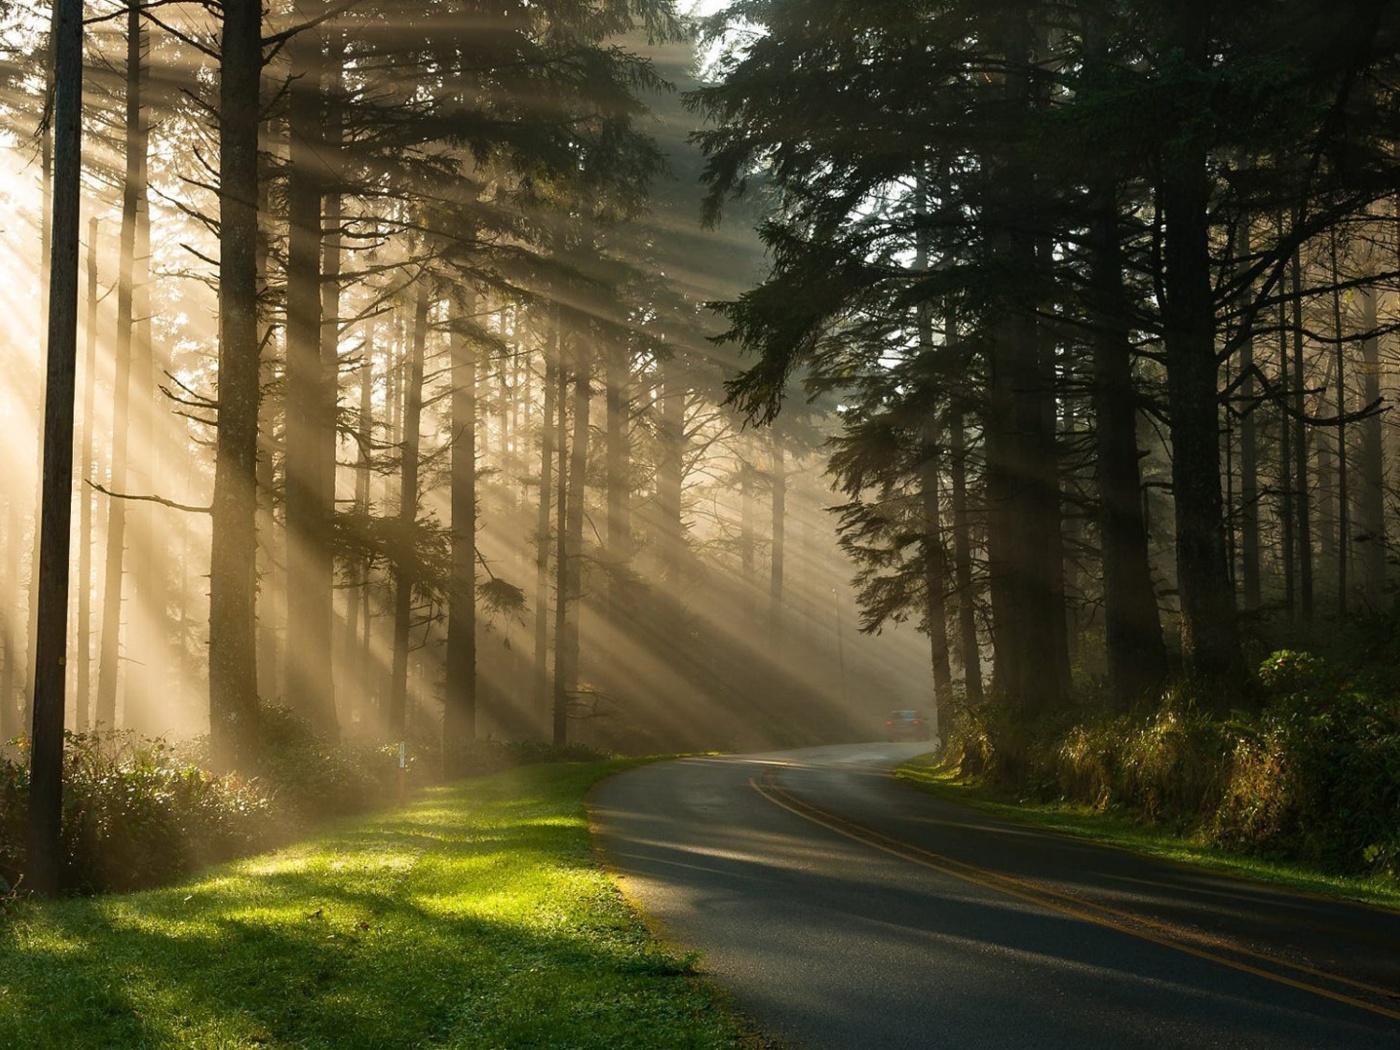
{"x": 1065, "y": 904}
{"x": 1132, "y": 918}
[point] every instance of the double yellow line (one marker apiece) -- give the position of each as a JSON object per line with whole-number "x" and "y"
{"x": 1138, "y": 926}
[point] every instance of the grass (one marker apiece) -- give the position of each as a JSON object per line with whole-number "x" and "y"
{"x": 476, "y": 917}
{"x": 1122, "y": 832}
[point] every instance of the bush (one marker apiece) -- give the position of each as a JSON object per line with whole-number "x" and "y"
{"x": 134, "y": 815}
{"x": 1313, "y": 775}
{"x": 1317, "y": 775}
{"x": 141, "y": 813}
{"x": 309, "y": 778}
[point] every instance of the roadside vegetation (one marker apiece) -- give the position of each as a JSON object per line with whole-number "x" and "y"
{"x": 1302, "y": 786}
{"x": 139, "y": 813}
{"x": 475, "y": 917}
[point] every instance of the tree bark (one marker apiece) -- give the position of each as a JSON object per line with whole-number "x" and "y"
{"x": 1132, "y": 623}
{"x": 46, "y": 165}
{"x": 670, "y": 472}
{"x": 85, "y": 497}
{"x": 1371, "y": 499}
{"x": 542, "y": 530}
{"x": 233, "y": 700}
{"x": 777, "y": 545}
{"x": 969, "y": 647}
{"x": 133, "y": 190}
{"x": 618, "y": 407}
{"x": 1249, "y": 461}
{"x": 145, "y": 686}
{"x": 459, "y": 712}
{"x": 357, "y": 660}
{"x": 309, "y": 457}
{"x": 1209, "y": 631}
{"x": 1287, "y": 521}
{"x": 935, "y": 562}
{"x": 11, "y": 723}
{"x": 51, "y": 638}
{"x": 1343, "y": 488}
{"x": 397, "y": 713}
{"x": 562, "y": 672}
{"x": 1301, "y": 497}
{"x": 935, "y": 554}
{"x": 746, "y": 524}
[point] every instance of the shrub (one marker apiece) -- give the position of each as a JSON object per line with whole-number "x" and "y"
{"x": 309, "y": 778}
{"x": 1168, "y": 766}
{"x": 134, "y": 814}
{"x": 139, "y": 813}
{"x": 1317, "y": 775}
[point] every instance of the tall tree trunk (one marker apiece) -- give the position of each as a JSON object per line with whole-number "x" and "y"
{"x": 1343, "y": 488}
{"x": 777, "y": 545}
{"x": 1301, "y": 500}
{"x": 357, "y": 656}
{"x": 11, "y": 723}
{"x": 144, "y": 692}
{"x": 618, "y": 407}
{"x": 233, "y": 701}
{"x": 1209, "y": 629}
{"x": 408, "y": 513}
{"x": 133, "y": 190}
{"x": 459, "y": 712}
{"x": 1028, "y": 609}
{"x": 1371, "y": 499}
{"x": 85, "y": 581}
{"x": 562, "y": 672}
{"x": 51, "y": 638}
{"x": 670, "y": 470}
{"x": 271, "y": 563}
{"x": 567, "y": 642}
{"x": 46, "y": 164}
{"x": 1249, "y": 459}
{"x": 746, "y": 524}
{"x": 542, "y": 531}
{"x": 311, "y": 395}
{"x": 935, "y": 554}
{"x": 969, "y": 647}
{"x": 935, "y": 562}
{"x": 1132, "y": 623}
{"x": 1287, "y": 521}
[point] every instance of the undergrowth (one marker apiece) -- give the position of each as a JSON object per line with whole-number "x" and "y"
{"x": 1312, "y": 774}
{"x": 140, "y": 813}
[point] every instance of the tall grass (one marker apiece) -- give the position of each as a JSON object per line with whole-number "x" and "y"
{"x": 140, "y": 813}
{"x": 1312, "y": 774}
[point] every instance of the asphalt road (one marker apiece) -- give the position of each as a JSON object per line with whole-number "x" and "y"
{"x": 844, "y": 910}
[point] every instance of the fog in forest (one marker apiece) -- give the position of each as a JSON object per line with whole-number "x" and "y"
{"x": 713, "y": 607}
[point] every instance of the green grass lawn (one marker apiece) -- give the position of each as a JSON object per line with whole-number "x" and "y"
{"x": 1122, "y": 832}
{"x": 475, "y": 918}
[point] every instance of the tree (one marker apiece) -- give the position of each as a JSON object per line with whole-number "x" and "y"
{"x": 233, "y": 702}
{"x": 311, "y": 394}
{"x": 51, "y": 638}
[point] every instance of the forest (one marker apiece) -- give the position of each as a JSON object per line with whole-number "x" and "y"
{"x": 598, "y": 373}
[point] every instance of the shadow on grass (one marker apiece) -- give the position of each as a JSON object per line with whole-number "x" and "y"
{"x": 471, "y": 919}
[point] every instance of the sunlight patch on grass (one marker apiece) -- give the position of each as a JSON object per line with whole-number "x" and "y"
{"x": 475, "y": 918}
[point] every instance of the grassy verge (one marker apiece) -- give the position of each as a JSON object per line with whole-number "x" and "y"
{"x": 476, "y": 917}
{"x": 1110, "y": 829}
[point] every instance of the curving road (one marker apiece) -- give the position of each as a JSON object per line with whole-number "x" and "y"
{"x": 844, "y": 910}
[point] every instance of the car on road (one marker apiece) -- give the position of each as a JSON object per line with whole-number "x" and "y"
{"x": 908, "y": 725}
